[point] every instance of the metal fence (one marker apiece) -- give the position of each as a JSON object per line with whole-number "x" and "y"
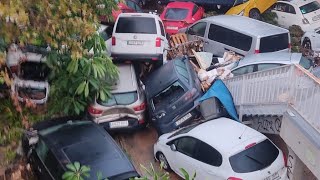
{"x": 289, "y": 85}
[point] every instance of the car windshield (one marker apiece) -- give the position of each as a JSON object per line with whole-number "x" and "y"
{"x": 168, "y": 95}
{"x": 141, "y": 25}
{"x": 120, "y": 99}
{"x": 254, "y": 158}
{"x": 176, "y": 14}
{"x": 310, "y": 7}
{"x": 305, "y": 62}
{"x": 274, "y": 43}
{"x": 37, "y": 71}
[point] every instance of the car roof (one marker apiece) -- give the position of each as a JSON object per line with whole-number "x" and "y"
{"x": 273, "y": 57}
{"x": 298, "y": 2}
{"x": 150, "y": 15}
{"x": 246, "y": 25}
{"x": 127, "y": 81}
{"x": 224, "y": 134}
{"x": 161, "y": 78}
{"x": 182, "y": 5}
{"x": 86, "y": 143}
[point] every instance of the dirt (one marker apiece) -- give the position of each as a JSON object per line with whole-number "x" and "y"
{"x": 139, "y": 147}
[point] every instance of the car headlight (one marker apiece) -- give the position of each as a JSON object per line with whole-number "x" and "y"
{"x": 241, "y": 13}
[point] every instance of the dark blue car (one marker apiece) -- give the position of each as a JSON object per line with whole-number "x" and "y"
{"x": 171, "y": 92}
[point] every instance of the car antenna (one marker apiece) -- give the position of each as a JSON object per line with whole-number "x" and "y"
{"x": 243, "y": 132}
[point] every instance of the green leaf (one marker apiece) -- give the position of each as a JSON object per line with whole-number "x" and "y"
{"x": 185, "y": 174}
{"x": 71, "y": 167}
{"x": 68, "y": 174}
{"x": 86, "y": 90}
{"x": 94, "y": 83}
{"x": 102, "y": 95}
{"x": 77, "y": 165}
{"x": 81, "y": 87}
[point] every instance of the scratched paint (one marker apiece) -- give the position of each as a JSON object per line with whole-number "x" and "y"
{"x": 269, "y": 125}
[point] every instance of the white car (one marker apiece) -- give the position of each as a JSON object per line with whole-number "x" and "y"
{"x": 311, "y": 40}
{"x": 139, "y": 36}
{"x": 304, "y": 13}
{"x": 221, "y": 149}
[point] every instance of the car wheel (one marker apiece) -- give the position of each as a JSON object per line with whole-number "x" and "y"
{"x": 254, "y": 14}
{"x": 163, "y": 161}
{"x": 306, "y": 44}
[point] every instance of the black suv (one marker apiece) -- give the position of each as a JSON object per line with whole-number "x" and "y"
{"x": 171, "y": 92}
{"x": 55, "y": 143}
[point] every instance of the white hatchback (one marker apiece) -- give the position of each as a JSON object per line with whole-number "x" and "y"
{"x": 221, "y": 149}
{"x": 304, "y": 13}
{"x": 139, "y": 36}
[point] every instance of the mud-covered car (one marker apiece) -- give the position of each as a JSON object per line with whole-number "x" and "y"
{"x": 171, "y": 92}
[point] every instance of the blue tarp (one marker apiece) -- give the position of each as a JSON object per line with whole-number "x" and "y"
{"x": 220, "y": 91}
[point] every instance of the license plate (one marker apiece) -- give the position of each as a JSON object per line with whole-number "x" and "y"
{"x": 172, "y": 27}
{"x": 274, "y": 176}
{"x": 183, "y": 119}
{"x": 118, "y": 124}
{"x": 135, "y": 43}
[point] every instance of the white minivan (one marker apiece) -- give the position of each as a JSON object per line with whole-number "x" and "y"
{"x": 139, "y": 36}
{"x": 240, "y": 34}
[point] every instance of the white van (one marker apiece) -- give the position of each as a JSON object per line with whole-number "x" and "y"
{"x": 139, "y": 36}
{"x": 240, "y": 34}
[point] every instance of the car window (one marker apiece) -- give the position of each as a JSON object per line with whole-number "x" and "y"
{"x": 305, "y": 62}
{"x": 176, "y": 14}
{"x": 137, "y": 7}
{"x": 262, "y": 67}
{"x": 198, "y": 29}
{"x": 195, "y": 10}
{"x": 254, "y": 158}
{"x": 274, "y": 43}
{"x": 207, "y": 154}
{"x": 238, "y": 2}
{"x": 130, "y": 4}
{"x": 168, "y": 95}
{"x": 42, "y": 150}
{"x": 230, "y": 37}
{"x": 53, "y": 166}
{"x": 186, "y": 145}
{"x": 290, "y": 9}
{"x": 243, "y": 70}
{"x": 37, "y": 71}
{"x": 107, "y": 33}
{"x": 162, "y": 29}
{"x": 280, "y": 7}
{"x": 141, "y": 25}
{"x": 120, "y": 99}
{"x": 310, "y": 7}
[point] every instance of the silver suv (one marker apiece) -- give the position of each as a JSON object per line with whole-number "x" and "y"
{"x": 125, "y": 109}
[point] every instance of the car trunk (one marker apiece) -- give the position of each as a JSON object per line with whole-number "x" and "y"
{"x": 174, "y": 25}
{"x": 313, "y": 17}
{"x": 311, "y": 12}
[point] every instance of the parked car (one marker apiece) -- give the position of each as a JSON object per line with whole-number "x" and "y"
{"x": 30, "y": 74}
{"x": 240, "y": 34}
{"x": 305, "y": 14}
{"x": 260, "y": 62}
{"x": 311, "y": 40}
{"x": 125, "y": 108}
{"x": 139, "y": 36}
{"x": 221, "y": 149}
{"x": 220, "y": 6}
{"x": 177, "y": 15}
{"x": 125, "y": 6}
{"x": 250, "y": 8}
{"x": 53, "y": 144}
{"x": 171, "y": 92}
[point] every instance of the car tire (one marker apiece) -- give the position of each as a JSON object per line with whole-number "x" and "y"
{"x": 307, "y": 44}
{"x": 163, "y": 160}
{"x": 255, "y": 14}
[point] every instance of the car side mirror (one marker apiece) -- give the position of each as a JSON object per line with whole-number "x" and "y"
{"x": 173, "y": 147}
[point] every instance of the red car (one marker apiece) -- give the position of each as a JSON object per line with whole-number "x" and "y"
{"x": 177, "y": 15}
{"x": 126, "y": 6}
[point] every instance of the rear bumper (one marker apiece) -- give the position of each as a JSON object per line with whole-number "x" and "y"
{"x": 137, "y": 57}
{"x": 133, "y": 125}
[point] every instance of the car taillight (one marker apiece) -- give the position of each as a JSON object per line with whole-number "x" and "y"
{"x": 250, "y": 145}
{"x": 305, "y": 21}
{"x": 190, "y": 94}
{"x": 94, "y": 111}
{"x": 257, "y": 51}
{"x": 14, "y": 69}
{"x": 140, "y": 107}
{"x": 113, "y": 40}
{"x": 141, "y": 121}
{"x": 234, "y": 178}
{"x": 158, "y": 42}
{"x": 285, "y": 159}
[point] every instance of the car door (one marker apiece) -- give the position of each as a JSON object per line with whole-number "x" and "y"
{"x": 183, "y": 156}
{"x": 37, "y": 158}
{"x": 197, "y": 31}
